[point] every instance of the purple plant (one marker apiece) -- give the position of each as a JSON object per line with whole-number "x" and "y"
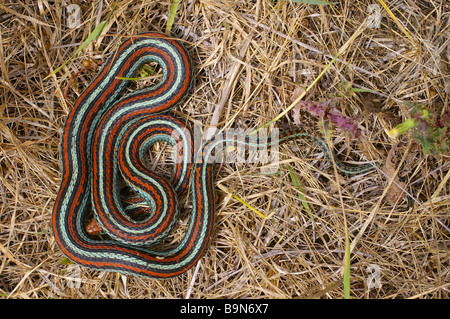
{"x": 327, "y": 111}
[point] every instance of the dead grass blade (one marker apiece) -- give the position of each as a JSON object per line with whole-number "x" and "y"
{"x": 322, "y": 232}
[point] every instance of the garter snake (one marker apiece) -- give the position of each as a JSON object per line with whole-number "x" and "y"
{"x": 105, "y": 137}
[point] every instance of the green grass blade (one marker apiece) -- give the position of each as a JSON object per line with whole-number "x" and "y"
{"x": 94, "y": 34}
{"x": 173, "y": 12}
{"x": 241, "y": 201}
{"x": 358, "y": 90}
{"x": 347, "y": 269}
{"x": 296, "y": 182}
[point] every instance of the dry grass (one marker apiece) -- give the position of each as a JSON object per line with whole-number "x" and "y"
{"x": 250, "y": 57}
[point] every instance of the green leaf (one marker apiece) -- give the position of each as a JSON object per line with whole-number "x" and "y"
{"x": 313, "y": 2}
